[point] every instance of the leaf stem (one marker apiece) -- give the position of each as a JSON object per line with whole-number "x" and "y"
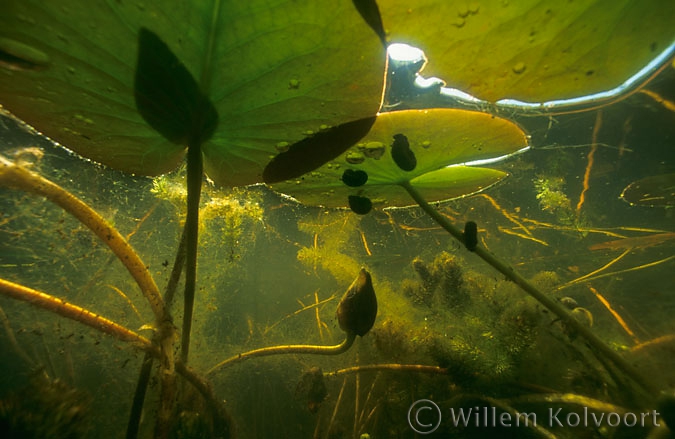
{"x": 288, "y": 349}
{"x": 18, "y": 177}
{"x": 194, "y": 187}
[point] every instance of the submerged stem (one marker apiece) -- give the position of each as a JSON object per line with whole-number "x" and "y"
{"x": 542, "y": 298}
{"x": 194, "y": 188}
{"x": 288, "y": 349}
{"x": 18, "y": 177}
{"x": 74, "y": 312}
{"x": 139, "y": 397}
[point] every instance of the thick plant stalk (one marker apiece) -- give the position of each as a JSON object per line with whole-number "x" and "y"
{"x": 74, "y": 312}
{"x": 542, "y": 298}
{"x": 288, "y": 349}
{"x": 144, "y": 375}
{"x": 191, "y": 233}
{"x": 18, "y": 177}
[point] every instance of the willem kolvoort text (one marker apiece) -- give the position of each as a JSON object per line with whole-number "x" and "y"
{"x": 491, "y": 417}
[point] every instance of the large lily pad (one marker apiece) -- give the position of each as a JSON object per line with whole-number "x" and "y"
{"x": 533, "y": 50}
{"x": 273, "y": 71}
{"x": 441, "y": 141}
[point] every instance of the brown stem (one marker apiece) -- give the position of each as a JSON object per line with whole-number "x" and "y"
{"x": 74, "y": 312}
{"x": 288, "y": 349}
{"x": 18, "y": 177}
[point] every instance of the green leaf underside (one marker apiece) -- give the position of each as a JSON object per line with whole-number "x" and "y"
{"x": 438, "y": 138}
{"x": 168, "y": 97}
{"x": 532, "y": 50}
{"x": 275, "y": 71}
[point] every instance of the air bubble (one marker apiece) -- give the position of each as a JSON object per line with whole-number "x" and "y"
{"x": 15, "y": 55}
{"x": 282, "y": 146}
{"x": 355, "y": 157}
{"x": 519, "y": 68}
{"x": 372, "y": 150}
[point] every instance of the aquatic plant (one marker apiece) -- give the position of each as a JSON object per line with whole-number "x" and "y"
{"x": 243, "y": 109}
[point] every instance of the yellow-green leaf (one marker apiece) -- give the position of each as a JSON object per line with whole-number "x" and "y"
{"x": 273, "y": 71}
{"x": 441, "y": 140}
{"x": 533, "y": 50}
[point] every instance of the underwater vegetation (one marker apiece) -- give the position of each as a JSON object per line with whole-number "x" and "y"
{"x": 271, "y": 221}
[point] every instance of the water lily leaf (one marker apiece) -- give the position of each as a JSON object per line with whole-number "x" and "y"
{"x": 533, "y": 50}
{"x": 439, "y": 140}
{"x": 168, "y": 97}
{"x": 273, "y": 72}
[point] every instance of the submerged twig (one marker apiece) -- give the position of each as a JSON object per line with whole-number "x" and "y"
{"x": 336, "y": 408}
{"x": 304, "y": 308}
{"x": 570, "y": 398}
{"x": 12, "y": 339}
{"x": 614, "y": 314}
{"x": 74, "y": 312}
{"x": 594, "y": 272}
{"x": 589, "y": 165}
{"x": 127, "y": 300}
{"x": 421, "y": 368}
{"x": 614, "y": 273}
